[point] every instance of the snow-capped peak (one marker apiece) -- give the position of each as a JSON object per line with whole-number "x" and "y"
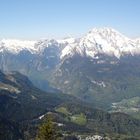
{"x": 103, "y": 40}
{"x": 67, "y": 40}
{"x": 42, "y": 44}
{"x": 105, "y": 31}
{"x": 96, "y": 41}
{"x": 15, "y": 46}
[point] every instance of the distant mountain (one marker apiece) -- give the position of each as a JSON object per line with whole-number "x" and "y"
{"x": 15, "y": 46}
{"x": 98, "y": 40}
{"x": 103, "y": 41}
{"x": 101, "y": 68}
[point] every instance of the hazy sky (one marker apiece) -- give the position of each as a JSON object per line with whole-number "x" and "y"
{"x": 35, "y": 19}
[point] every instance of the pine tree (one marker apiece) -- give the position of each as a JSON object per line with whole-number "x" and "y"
{"x": 47, "y": 131}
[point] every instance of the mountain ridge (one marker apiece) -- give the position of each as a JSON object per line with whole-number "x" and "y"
{"x": 104, "y": 40}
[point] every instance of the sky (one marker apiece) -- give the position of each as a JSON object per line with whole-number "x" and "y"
{"x": 36, "y": 19}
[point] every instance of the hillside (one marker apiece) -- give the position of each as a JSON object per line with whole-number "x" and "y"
{"x": 23, "y": 107}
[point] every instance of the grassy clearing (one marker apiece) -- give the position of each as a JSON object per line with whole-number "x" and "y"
{"x": 79, "y": 119}
{"x": 63, "y": 110}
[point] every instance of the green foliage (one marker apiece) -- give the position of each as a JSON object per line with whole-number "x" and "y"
{"x": 79, "y": 119}
{"x": 47, "y": 131}
{"x": 63, "y": 110}
{"x": 129, "y": 106}
{"x": 85, "y": 119}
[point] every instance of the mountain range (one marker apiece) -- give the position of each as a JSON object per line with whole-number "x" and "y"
{"x": 96, "y": 41}
{"x": 101, "y": 67}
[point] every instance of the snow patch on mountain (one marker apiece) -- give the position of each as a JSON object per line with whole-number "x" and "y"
{"x": 99, "y": 83}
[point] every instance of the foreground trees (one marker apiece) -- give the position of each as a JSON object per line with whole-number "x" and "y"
{"x": 47, "y": 131}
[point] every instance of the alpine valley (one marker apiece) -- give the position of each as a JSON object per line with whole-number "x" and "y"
{"x": 89, "y": 85}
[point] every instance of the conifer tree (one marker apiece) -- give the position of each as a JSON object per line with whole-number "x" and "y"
{"x": 47, "y": 131}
